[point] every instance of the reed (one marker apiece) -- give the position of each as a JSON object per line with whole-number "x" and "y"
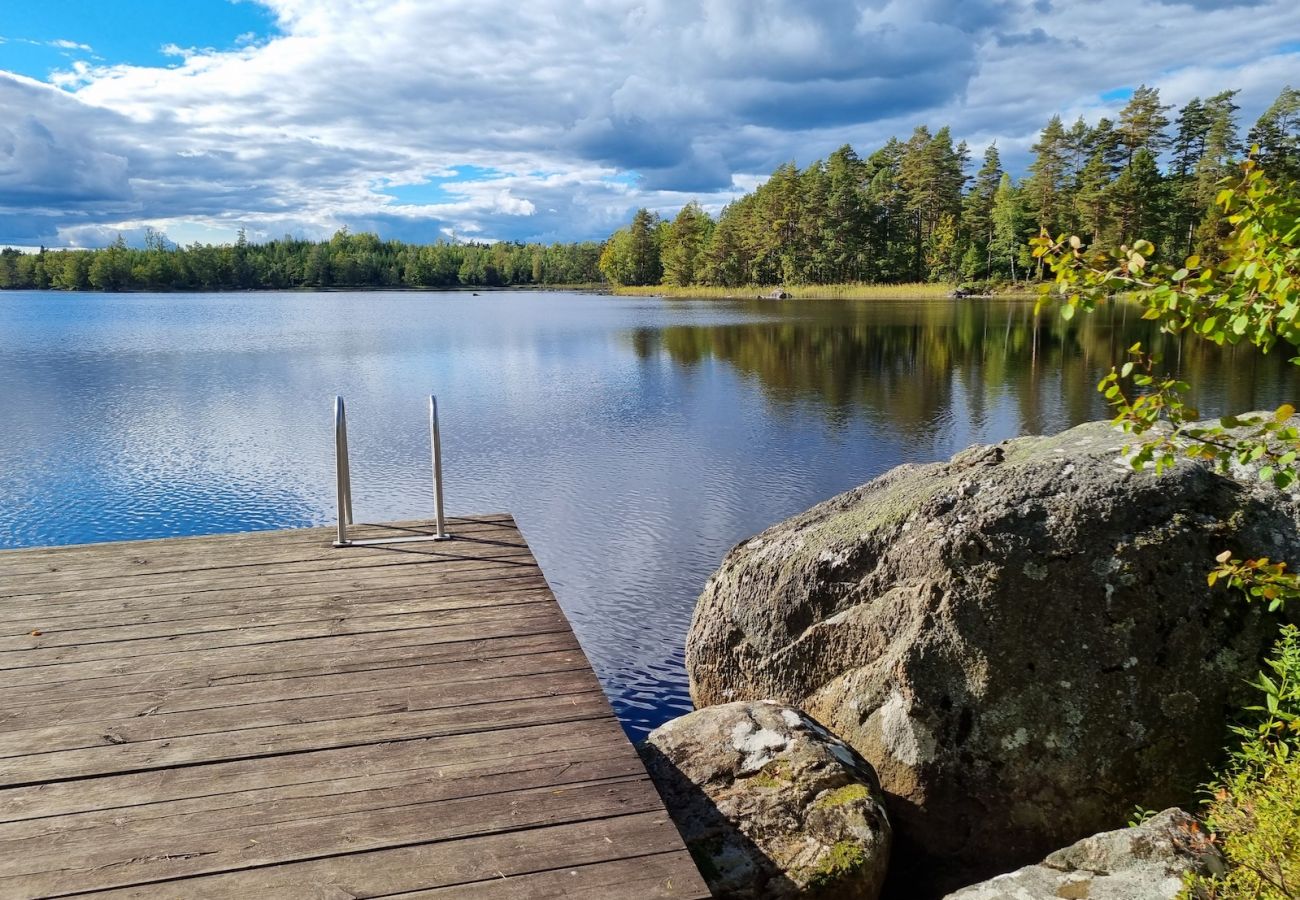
{"x": 851, "y": 291}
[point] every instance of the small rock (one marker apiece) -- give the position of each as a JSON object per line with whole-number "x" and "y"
{"x": 771, "y": 804}
{"x": 1145, "y": 862}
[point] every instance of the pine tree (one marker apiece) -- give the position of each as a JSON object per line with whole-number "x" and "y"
{"x": 1142, "y": 124}
{"x": 1009, "y": 226}
{"x": 1138, "y": 197}
{"x": 846, "y": 231}
{"x": 1218, "y": 160}
{"x": 1277, "y": 135}
{"x": 809, "y": 263}
{"x": 1044, "y": 190}
{"x": 723, "y": 254}
{"x": 684, "y": 243}
{"x": 1191, "y": 128}
{"x": 932, "y": 174}
{"x": 977, "y": 216}
{"x": 1092, "y": 200}
{"x": 887, "y": 204}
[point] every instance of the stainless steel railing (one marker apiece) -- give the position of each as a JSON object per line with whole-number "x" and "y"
{"x": 343, "y": 481}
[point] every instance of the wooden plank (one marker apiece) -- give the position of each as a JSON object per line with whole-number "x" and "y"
{"x": 224, "y": 619}
{"x": 271, "y": 586}
{"x": 471, "y": 581}
{"x": 656, "y": 876}
{"x": 159, "y": 850}
{"x": 47, "y": 615}
{"x": 164, "y": 792}
{"x": 298, "y": 666}
{"x": 18, "y": 589}
{"x": 36, "y": 563}
{"x": 157, "y": 824}
{"x": 448, "y": 864}
{"x": 165, "y": 664}
{"x": 269, "y": 741}
{"x": 533, "y": 613}
{"x": 344, "y": 687}
{"x": 38, "y": 560}
{"x": 230, "y": 721}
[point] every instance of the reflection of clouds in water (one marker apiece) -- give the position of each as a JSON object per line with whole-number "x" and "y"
{"x": 635, "y": 440}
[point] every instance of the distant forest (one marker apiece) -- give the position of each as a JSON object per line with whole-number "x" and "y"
{"x": 907, "y": 213}
{"x": 345, "y": 260}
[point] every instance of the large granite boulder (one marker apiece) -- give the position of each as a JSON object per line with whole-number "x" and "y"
{"x": 1145, "y": 862}
{"x": 1021, "y": 640}
{"x": 771, "y": 804}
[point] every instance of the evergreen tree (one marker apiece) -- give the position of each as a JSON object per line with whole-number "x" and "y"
{"x": 1219, "y": 156}
{"x": 1142, "y": 124}
{"x": 683, "y": 245}
{"x": 932, "y": 174}
{"x": 1277, "y": 135}
{"x": 1045, "y": 189}
{"x": 886, "y": 202}
{"x": 1009, "y": 226}
{"x": 846, "y": 231}
{"x": 723, "y": 262}
{"x": 1138, "y": 199}
{"x": 1092, "y": 199}
{"x": 977, "y": 216}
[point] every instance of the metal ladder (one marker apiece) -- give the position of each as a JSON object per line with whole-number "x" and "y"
{"x": 343, "y": 477}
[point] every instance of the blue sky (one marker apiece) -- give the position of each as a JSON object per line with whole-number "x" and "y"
{"x": 550, "y": 120}
{"x": 46, "y": 36}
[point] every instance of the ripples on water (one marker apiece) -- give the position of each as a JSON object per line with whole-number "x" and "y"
{"x": 635, "y": 440}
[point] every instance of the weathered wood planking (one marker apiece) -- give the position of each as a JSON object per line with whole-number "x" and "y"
{"x": 261, "y": 715}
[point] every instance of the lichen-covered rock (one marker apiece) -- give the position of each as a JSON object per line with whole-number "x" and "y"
{"x": 1145, "y": 862}
{"x": 1020, "y": 641}
{"x": 771, "y": 804}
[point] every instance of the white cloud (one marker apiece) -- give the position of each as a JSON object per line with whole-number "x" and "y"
{"x": 559, "y": 100}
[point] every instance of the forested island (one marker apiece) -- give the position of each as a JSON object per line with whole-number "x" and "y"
{"x": 907, "y": 213}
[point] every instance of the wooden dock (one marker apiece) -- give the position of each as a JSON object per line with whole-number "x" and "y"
{"x": 261, "y": 715}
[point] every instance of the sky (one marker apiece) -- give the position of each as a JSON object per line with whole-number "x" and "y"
{"x": 546, "y": 120}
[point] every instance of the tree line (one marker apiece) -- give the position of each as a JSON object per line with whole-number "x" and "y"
{"x": 910, "y": 212}
{"x": 345, "y": 260}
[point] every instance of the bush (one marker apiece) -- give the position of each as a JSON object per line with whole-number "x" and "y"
{"x": 1254, "y": 812}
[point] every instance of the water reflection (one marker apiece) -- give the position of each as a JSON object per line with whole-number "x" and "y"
{"x": 923, "y": 366}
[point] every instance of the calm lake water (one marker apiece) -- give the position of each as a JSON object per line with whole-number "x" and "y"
{"x": 635, "y": 440}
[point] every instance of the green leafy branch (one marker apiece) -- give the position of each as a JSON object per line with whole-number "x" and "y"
{"x": 1250, "y": 293}
{"x": 1271, "y": 729}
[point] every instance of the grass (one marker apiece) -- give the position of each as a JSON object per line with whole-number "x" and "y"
{"x": 852, "y": 291}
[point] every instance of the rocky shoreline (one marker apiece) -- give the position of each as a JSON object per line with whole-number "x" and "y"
{"x": 1010, "y": 649}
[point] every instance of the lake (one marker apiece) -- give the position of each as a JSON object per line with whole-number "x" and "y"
{"x": 635, "y": 440}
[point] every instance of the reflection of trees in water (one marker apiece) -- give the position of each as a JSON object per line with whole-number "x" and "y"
{"x": 912, "y": 362}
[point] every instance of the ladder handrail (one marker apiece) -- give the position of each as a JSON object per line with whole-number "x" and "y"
{"x": 343, "y": 479}
{"x": 435, "y": 447}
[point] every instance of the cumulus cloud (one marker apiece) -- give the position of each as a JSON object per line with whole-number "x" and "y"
{"x": 556, "y": 104}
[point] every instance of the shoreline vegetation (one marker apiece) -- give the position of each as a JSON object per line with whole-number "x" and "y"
{"x": 850, "y": 291}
